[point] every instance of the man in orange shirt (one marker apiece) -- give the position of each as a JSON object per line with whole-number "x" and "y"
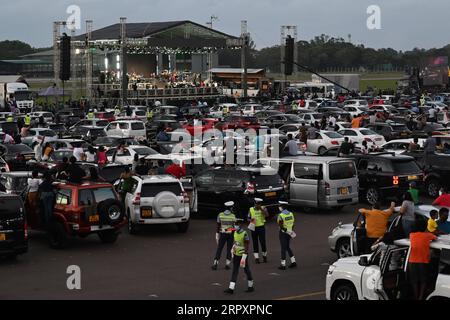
{"x": 376, "y": 223}
{"x": 419, "y": 259}
{"x": 356, "y": 122}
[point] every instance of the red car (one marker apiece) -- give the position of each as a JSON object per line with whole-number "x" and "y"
{"x": 105, "y": 115}
{"x": 81, "y": 210}
{"x": 206, "y": 124}
{"x": 241, "y": 122}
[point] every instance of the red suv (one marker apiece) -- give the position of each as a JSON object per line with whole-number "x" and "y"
{"x": 105, "y": 116}
{"x": 81, "y": 210}
{"x": 241, "y": 122}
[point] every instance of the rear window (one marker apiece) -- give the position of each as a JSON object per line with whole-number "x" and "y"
{"x": 405, "y": 167}
{"x": 10, "y": 207}
{"x": 145, "y": 151}
{"x": 103, "y": 194}
{"x": 17, "y": 148}
{"x": 267, "y": 180}
{"x": 368, "y": 132}
{"x": 250, "y": 119}
{"x": 137, "y": 126}
{"x": 111, "y": 174}
{"x": 123, "y": 126}
{"x": 150, "y": 190}
{"x": 399, "y": 128}
{"x": 307, "y": 171}
{"x": 140, "y": 113}
{"x": 333, "y": 135}
{"x": 342, "y": 170}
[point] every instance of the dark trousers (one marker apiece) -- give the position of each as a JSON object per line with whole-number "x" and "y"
{"x": 285, "y": 240}
{"x": 47, "y": 204}
{"x": 259, "y": 236}
{"x": 236, "y": 267}
{"x": 225, "y": 238}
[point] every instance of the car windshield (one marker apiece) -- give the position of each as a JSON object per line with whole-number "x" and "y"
{"x": 58, "y": 156}
{"x": 405, "y": 167}
{"x": 368, "y": 132}
{"x": 10, "y": 207}
{"x": 333, "y": 135}
{"x": 293, "y": 118}
{"x": 103, "y": 194}
{"x": 342, "y": 170}
{"x": 399, "y": 128}
{"x": 18, "y": 148}
{"x": 145, "y": 151}
{"x": 150, "y": 190}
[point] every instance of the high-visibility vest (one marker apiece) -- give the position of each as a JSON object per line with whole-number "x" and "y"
{"x": 227, "y": 222}
{"x": 91, "y": 115}
{"x": 239, "y": 242}
{"x": 258, "y": 216}
{"x": 27, "y": 120}
{"x": 288, "y": 220}
{"x": 9, "y": 119}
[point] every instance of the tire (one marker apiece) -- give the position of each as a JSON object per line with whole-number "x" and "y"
{"x": 343, "y": 248}
{"x": 344, "y": 292}
{"x": 322, "y": 150}
{"x": 132, "y": 227}
{"x": 372, "y": 196}
{"x": 111, "y": 212}
{"x": 433, "y": 186}
{"x": 183, "y": 227}
{"x": 57, "y": 236}
{"x": 108, "y": 236}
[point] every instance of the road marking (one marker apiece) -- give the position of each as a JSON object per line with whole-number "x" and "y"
{"x": 307, "y": 295}
{"x": 216, "y": 284}
{"x": 153, "y": 296}
{"x": 326, "y": 264}
{"x": 274, "y": 274}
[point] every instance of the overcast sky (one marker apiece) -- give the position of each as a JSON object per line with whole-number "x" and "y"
{"x": 405, "y": 24}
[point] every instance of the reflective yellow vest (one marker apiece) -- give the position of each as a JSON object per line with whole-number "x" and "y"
{"x": 27, "y": 120}
{"x": 239, "y": 242}
{"x": 258, "y": 215}
{"x": 227, "y": 222}
{"x": 288, "y": 220}
{"x": 9, "y": 119}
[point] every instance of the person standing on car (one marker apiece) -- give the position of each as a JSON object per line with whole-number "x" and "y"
{"x": 101, "y": 156}
{"x": 443, "y": 226}
{"x": 224, "y": 234}
{"x": 240, "y": 257}
{"x": 407, "y": 211}
{"x": 127, "y": 183}
{"x": 74, "y": 171}
{"x": 257, "y": 216}
{"x": 91, "y": 154}
{"x": 286, "y": 222}
{"x": 376, "y": 223}
{"x": 419, "y": 259}
{"x": 47, "y": 196}
{"x": 444, "y": 198}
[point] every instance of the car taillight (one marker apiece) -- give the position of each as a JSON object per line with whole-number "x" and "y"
{"x": 395, "y": 180}
{"x": 327, "y": 189}
{"x": 137, "y": 199}
{"x": 250, "y": 187}
{"x": 335, "y": 143}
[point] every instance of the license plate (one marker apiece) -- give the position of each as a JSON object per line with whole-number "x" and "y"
{"x": 343, "y": 191}
{"x": 270, "y": 194}
{"x": 413, "y": 178}
{"x": 95, "y": 218}
{"x": 2, "y": 237}
{"x": 147, "y": 213}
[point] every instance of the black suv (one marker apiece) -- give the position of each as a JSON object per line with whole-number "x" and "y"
{"x": 391, "y": 131}
{"x": 13, "y": 232}
{"x": 241, "y": 185}
{"x": 385, "y": 175}
{"x": 436, "y": 169}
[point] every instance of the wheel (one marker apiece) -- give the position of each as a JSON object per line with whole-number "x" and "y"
{"x": 183, "y": 227}
{"x": 322, "y": 150}
{"x": 343, "y": 248}
{"x": 111, "y": 212}
{"x": 57, "y": 235}
{"x": 108, "y": 236}
{"x": 372, "y": 196}
{"x": 344, "y": 292}
{"x": 433, "y": 186}
{"x": 132, "y": 227}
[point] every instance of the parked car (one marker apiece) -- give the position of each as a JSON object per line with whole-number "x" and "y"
{"x": 357, "y": 136}
{"x": 377, "y": 277}
{"x": 279, "y": 120}
{"x": 399, "y": 146}
{"x": 391, "y": 131}
{"x": 324, "y": 140}
{"x": 126, "y": 129}
{"x": 13, "y": 229}
{"x": 386, "y": 176}
{"x": 91, "y": 123}
{"x": 241, "y": 185}
{"x": 128, "y": 156}
{"x": 81, "y": 210}
{"x": 318, "y": 182}
{"x": 13, "y": 153}
{"x": 156, "y": 200}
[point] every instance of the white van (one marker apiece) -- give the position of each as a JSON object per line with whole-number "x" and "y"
{"x": 251, "y": 109}
{"x": 319, "y": 182}
{"x": 126, "y": 129}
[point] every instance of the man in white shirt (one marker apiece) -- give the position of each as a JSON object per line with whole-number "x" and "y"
{"x": 78, "y": 153}
{"x": 291, "y": 146}
{"x": 7, "y": 139}
{"x": 432, "y": 114}
{"x": 333, "y": 121}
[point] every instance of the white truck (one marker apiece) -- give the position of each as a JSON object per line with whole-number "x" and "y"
{"x": 19, "y": 92}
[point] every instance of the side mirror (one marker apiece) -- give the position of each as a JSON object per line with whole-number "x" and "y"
{"x": 364, "y": 261}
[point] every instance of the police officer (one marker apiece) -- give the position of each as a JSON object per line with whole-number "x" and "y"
{"x": 116, "y": 111}
{"x": 149, "y": 115}
{"x": 27, "y": 120}
{"x": 240, "y": 260}
{"x": 286, "y": 223}
{"x": 257, "y": 216}
{"x": 224, "y": 234}
{"x": 10, "y": 118}
{"x": 91, "y": 114}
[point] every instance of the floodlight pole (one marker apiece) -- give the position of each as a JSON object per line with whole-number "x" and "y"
{"x": 123, "y": 54}
{"x": 245, "y": 39}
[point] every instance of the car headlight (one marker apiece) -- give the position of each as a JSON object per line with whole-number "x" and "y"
{"x": 331, "y": 269}
{"x": 335, "y": 230}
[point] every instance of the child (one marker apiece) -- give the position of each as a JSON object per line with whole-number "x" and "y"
{"x": 432, "y": 224}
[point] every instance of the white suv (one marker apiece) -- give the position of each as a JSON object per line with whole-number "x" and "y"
{"x": 372, "y": 277}
{"x": 157, "y": 199}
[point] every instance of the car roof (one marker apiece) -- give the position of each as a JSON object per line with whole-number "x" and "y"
{"x": 311, "y": 159}
{"x": 385, "y": 155}
{"x": 84, "y": 185}
{"x": 442, "y": 242}
{"x": 158, "y": 178}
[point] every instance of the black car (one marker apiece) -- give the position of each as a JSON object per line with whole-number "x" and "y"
{"x": 385, "y": 175}
{"x": 436, "y": 169}
{"x": 9, "y": 127}
{"x": 111, "y": 142}
{"x": 279, "y": 120}
{"x": 391, "y": 131}
{"x": 16, "y": 155}
{"x": 13, "y": 233}
{"x": 261, "y": 115}
{"x": 241, "y": 185}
